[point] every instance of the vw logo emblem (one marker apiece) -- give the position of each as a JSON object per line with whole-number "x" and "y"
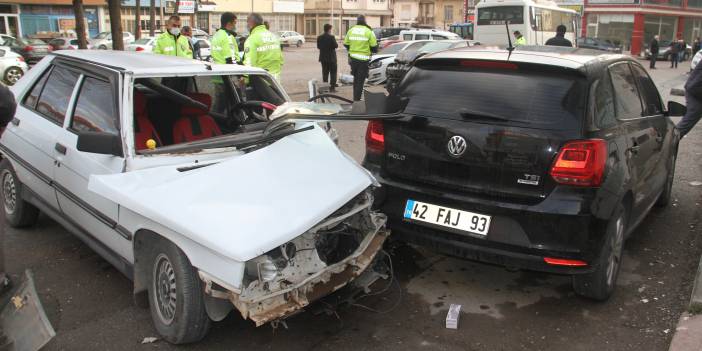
{"x": 457, "y": 146}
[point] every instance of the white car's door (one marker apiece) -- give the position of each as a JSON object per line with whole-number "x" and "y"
{"x": 94, "y": 108}
{"x": 30, "y": 140}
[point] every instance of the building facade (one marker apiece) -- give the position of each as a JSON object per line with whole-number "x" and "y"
{"x": 342, "y": 14}
{"x": 280, "y": 15}
{"x": 440, "y": 14}
{"x": 46, "y": 18}
{"x": 405, "y": 13}
{"x": 633, "y": 23}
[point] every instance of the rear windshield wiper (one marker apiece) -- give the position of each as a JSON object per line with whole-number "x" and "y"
{"x": 479, "y": 115}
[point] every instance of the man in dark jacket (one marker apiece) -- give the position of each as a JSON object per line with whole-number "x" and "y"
{"x": 693, "y": 100}
{"x": 559, "y": 39}
{"x": 653, "y": 48}
{"x": 674, "y": 50}
{"x": 7, "y": 113}
{"x": 326, "y": 43}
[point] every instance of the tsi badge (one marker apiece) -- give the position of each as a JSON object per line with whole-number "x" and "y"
{"x": 529, "y": 179}
{"x": 457, "y": 146}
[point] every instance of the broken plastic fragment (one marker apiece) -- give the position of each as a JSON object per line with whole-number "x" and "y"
{"x": 452, "y": 316}
{"x": 149, "y": 340}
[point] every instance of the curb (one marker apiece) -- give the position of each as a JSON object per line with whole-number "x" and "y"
{"x": 696, "y": 298}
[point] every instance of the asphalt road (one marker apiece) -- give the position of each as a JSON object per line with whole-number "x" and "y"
{"x": 89, "y": 303}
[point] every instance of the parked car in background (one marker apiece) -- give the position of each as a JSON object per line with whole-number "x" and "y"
{"x": 543, "y": 160}
{"x": 598, "y": 44}
{"x": 695, "y": 60}
{"x": 205, "y": 49}
{"x": 12, "y": 65}
{"x": 200, "y": 34}
{"x": 385, "y": 42}
{"x": 103, "y": 40}
{"x": 104, "y": 146}
{"x": 145, "y": 44}
{"x": 64, "y": 44}
{"x": 386, "y": 32}
{"x": 404, "y": 60}
{"x": 427, "y": 34}
{"x": 664, "y": 51}
{"x": 379, "y": 62}
{"x": 290, "y": 38}
{"x": 32, "y": 50}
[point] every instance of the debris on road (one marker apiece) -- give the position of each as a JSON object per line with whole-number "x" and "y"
{"x": 24, "y": 312}
{"x": 452, "y": 316}
{"x": 149, "y": 340}
{"x": 696, "y": 183}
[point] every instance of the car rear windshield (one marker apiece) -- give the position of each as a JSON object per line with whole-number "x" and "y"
{"x": 392, "y": 49}
{"x": 514, "y": 97}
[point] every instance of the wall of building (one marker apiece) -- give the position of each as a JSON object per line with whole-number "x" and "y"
{"x": 405, "y": 13}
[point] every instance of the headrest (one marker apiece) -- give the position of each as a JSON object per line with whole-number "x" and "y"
{"x": 139, "y": 103}
{"x": 192, "y": 110}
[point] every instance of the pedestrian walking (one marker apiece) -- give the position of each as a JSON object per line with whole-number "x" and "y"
{"x": 327, "y": 45}
{"x": 654, "y": 49}
{"x": 262, "y": 48}
{"x": 695, "y": 46}
{"x": 224, "y": 47}
{"x": 194, "y": 43}
{"x": 519, "y": 38}
{"x": 171, "y": 42}
{"x": 7, "y": 113}
{"x": 559, "y": 39}
{"x": 682, "y": 50}
{"x": 360, "y": 43}
{"x": 693, "y": 101}
{"x": 674, "y": 50}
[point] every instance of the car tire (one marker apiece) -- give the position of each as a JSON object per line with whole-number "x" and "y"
{"x": 18, "y": 212}
{"x": 667, "y": 194}
{"x": 102, "y": 47}
{"x": 12, "y": 75}
{"x": 599, "y": 284}
{"x": 299, "y": 43}
{"x": 176, "y": 296}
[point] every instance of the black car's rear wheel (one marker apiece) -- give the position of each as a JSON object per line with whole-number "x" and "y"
{"x": 176, "y": 297}
{"x": 599, "y": 284}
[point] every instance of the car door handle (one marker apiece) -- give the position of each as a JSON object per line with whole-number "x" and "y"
{"x": 60, "y": 148}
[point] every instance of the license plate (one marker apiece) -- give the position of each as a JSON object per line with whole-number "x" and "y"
{"x": 447, "y": 217}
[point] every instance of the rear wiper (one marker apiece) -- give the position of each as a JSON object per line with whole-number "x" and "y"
{"x": 465, "y": 113}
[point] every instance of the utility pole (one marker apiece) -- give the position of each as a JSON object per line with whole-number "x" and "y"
{"x": 332, "y": 18}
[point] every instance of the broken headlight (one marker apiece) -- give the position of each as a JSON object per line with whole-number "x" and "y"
{"x": 267, "y": 266}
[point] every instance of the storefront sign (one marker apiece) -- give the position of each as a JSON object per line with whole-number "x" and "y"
{"x": 207, "y": 7}
{"x": 186, "y": 6}
{"x": 289, "y": 6}
{"x": 576, "y": 8}
{"x": 65, "y": 24}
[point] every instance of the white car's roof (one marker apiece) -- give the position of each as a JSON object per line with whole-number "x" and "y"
{"x": 141, "y": 64}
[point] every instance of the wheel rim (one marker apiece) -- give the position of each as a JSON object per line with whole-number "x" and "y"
{"x": 13, "y": 75}
{"x": 9, "y": 192}
{"x": 615, "y": 255}
{"x": 164, "y": 285}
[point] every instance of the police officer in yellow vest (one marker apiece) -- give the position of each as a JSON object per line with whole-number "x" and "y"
{"x": 171, "y": 43}
{"x": 262, "y": 48}
{"x": 224, "y": 46}
{"x": 360, "y": 42}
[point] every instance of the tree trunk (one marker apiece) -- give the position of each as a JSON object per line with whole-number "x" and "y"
{"x": 115, "y": 8}
{"x": 152, "y": 18}
{"x": 177, "y": 5}
{"x": 137, "y": 21}
{"x": 80, "y": 24}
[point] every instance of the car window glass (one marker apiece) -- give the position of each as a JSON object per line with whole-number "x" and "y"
{"x": 95, "y": 109}
{"x": 54, "y": 99}
{"x": 438, "y": 37}
{"x": 31, "y": 99}
{"x": 407, "y": 37}
{"x": 421, "y": 37}
{"x": 604, "y": 103}
{"x": 627, "y": 102}
{"x": 649, "y": 93}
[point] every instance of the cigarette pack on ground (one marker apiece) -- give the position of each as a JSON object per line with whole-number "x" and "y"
{"x": 452, "y": 316}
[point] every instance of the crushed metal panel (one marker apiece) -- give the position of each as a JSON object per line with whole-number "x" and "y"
{"x": 22, "y": 319}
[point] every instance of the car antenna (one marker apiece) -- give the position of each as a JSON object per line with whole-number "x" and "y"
{"x": 510, "y": 47}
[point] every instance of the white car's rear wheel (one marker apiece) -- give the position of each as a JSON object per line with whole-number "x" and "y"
{"x": 176, "y": 296}
{"x": 13, "y": 74}
{"x": 18, "y": 213}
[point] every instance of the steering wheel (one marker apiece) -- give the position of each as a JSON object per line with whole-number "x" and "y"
{"x": 251, "y": 106}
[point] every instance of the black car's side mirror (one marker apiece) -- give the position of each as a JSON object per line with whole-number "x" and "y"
{"x": 100, "y": 143}
{"x": 676, "y": 109}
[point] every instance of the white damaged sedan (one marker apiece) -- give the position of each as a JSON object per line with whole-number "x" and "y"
{"x": 172, "y": 170}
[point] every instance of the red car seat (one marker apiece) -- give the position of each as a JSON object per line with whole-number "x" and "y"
{"x": 143, "y": 128}
{"x": 195, "y": 123}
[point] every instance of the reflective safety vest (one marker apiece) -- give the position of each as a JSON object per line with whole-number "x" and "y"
{"x": 360, "y": 39}
{"x": 262, "y": 50}
{"x": 520, "y": 41}
{"x": 224, "y": 46}
{"x": 167, "y": 44}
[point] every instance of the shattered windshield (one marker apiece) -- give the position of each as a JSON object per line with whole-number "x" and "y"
{"x": 171, "y": 111}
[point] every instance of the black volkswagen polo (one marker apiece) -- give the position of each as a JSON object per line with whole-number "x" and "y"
{"x": 543, "y": 159}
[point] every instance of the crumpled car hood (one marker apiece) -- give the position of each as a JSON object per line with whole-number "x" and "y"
{"x": 246, "y": 205}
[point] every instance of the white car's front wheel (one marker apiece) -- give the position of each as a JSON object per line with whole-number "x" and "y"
{"x": 13, "y": 74}
{"x": 176, "y": 296}
{"x": 18, "y": 212}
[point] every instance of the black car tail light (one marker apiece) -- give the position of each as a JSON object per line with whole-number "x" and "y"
{"x": 564, "y": 262}
{"x": 581, "y": 163}
{"x": 375, "y": 137}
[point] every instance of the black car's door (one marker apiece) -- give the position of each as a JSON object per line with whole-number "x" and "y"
{"x": 638, "y": 131}
{"x": 662, "y": 132}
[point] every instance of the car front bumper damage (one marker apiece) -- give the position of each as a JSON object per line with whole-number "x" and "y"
{"x": 316, "y": 270}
